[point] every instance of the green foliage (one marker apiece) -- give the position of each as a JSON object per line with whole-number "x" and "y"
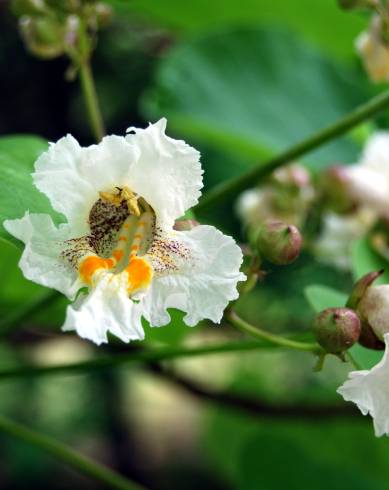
{"x": 17, "y": 193}
{"x": 188, "y": 18}
{"x": 255, "y": 101}
{"x": 322, "y": 297}
{"x": 365, "y": 259}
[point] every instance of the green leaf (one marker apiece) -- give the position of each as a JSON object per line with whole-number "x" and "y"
{"x": 253, "y": 92}
{"x": 366, "y": 358}
{"x": 322, "y": 297}
{"x": 17, "y": 192}
{"x": 188, "y": 18}
{"x": 365, "y": 259}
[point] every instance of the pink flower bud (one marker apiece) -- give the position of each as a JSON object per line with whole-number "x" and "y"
{"x": 337, "y": 329}
{"x": 279, "y": 242}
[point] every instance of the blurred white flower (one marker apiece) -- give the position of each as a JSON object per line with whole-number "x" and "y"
{"x": 121, "y": 199}
{"x": 369, "y": 390}
{"x": 369, "y": 180}
{"x": 333, "y": 245}
{"x": 374, "y": 52}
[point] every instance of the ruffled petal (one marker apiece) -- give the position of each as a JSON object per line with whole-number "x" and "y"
{"x": 41, "y": 259}
{"x": 106, "y": 308}
{"x": 167, "y": 173}
{"x": 59, "y": 174}
{"x": 202, "y": 272}
{"x": 369, "y": 390}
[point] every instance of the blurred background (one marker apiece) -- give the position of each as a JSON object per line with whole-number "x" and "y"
{"x": 240, "y": 81}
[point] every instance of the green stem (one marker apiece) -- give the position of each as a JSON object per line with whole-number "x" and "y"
{"x": 109, "y": 478}
{"x": 142, "y": 356}
{"x": 258, "y": 333}
{"x": 248, "y": 179}
{"x": 92, "y": 103}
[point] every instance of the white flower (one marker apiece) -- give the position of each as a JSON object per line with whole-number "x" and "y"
{"x": 374, "y": 308}
{"x": 369, "y": 180}
{"x": 374, "y": 51}
{"x": 369, "y": 390}
{"x": 120, "y": 199}
{"x": 333, "y": 245}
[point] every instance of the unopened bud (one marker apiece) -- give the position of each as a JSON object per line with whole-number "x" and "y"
{"x": 360, "y": 287}
{"x": 292, "y": 175}
{"x": 335, "y": 187}
{"x": 278, "y": 242}
{"x": 374, "y": 309}
{"x": 43, "y": 36}
{"x": 360, "y": 300}
{"x": 337, "y": 329}
{"x": 185, "y": 224}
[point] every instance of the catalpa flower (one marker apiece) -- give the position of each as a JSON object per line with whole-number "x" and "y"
{"x": 118, "y": 253}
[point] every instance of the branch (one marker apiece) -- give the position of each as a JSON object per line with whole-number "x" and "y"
{"x": 255, "y": 407}
{"x": 101, "y": 473}
{"x": 141, "y": 356}
{"x": 249, "y": 179}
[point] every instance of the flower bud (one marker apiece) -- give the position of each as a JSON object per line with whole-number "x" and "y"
{"x": 337, "y": 329}
{"x": 335, "y": 188}
{"x": 361, "y": 301}
{"x": 360, "y": 288}
{"x": 185, "y": 224}
{"x": 372, "y": 46}
{"x": 374, "y": 309}
{"x": 278, "y": 242}
{"x": 43, "y": 36}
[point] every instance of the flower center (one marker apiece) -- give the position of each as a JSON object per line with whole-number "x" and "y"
{"x": 120, "y": 244}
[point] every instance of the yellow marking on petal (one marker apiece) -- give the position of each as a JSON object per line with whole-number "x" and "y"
{"x": 118, "y": 254}
{"x": 91, "y": 264}
{"x": 139, "y": 273}
{"x": 134, "y": 248}
{"x": 122, "y": 239}
{"x": 138, "y": 235}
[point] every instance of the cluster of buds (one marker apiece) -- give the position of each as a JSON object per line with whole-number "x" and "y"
{"x": 365, "y": 319}
{"x": 52, "y": 28}
{"x": 286, "y": 196}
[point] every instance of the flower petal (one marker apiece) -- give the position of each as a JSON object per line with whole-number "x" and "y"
{"x": 59, "y": 175}
{"x": 201, "y": 276}
{"x": 41, "y": 259}
{"x": 167, "y": 173}
{"x": 106, "y": 308}
{"x": 369, "y": 390}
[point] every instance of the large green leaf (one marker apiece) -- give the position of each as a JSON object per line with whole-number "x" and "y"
{"x": 187, "y": 18}
{"x": 17, "y": 193}
{"x": 253, "y": 92}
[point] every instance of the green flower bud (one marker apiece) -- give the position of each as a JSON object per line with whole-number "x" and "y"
{"x": 337, "y": 329}
{"x": 278, "y": 242}
{"x": 43, "y": 36}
